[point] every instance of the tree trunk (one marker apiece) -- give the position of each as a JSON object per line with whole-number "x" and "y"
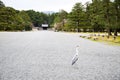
{"x": 78, "y": 30}
{"x": 109, "y": 32}
{"x": 115, "y": 32}
{"x": 117, "y": 16}
{"x": 78, "y": 22}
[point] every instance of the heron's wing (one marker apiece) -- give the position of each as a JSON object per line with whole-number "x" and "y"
{"x": 75, "y": 58}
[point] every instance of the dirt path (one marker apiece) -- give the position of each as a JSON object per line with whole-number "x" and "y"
{"x": 47, "y": 55}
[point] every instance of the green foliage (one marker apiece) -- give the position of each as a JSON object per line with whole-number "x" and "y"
{"x": 60, "y": 20}
{"x": 7, "y": 18}
{"x": 11, "y": 19}
{"x": 63, "y": 15}
{"x": 78, "y": 16}
{"x": 38, "y": 18}
{"x": 69, "y": 26}
{"x": 59, "y": 17}
{"x": 24, "y": 20}
{"x": 96, "y": 15}
{"x": 103, "y": 15}
{"x": 100, "y": 15}
{"x": 51, "y": 18}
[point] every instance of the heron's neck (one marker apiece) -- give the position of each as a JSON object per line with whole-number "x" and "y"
{"x": 76, "y": 50}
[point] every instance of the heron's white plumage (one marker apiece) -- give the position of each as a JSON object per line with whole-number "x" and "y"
{"x": 75, "y": 58}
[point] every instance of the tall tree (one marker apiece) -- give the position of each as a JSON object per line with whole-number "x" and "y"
{"x": 7, "y": 18}
{"x": 51, "y": 18}
{"x": 106, "y": 5}
{"x": 96, "y": 15}
{"x": 77, "y": 15}
{"x": 37, "y": 18}
{"x": 25, "y": 20}
{"x": 63, "y": 16}
{"x": 117, "y": 16}
{"x": 60, "y": 19}
{"x": 11, "y": 19}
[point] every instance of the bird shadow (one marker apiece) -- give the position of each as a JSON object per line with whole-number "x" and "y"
{"x": 75, "y": 66}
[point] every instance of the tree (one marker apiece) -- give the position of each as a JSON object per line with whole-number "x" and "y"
{"x": 7, "y": 18}
{"x": 2, "y": 4}
{"x": 11, "y": 19}
{"x": 38, "y": 18}
{"x": 63, "y": 16}
{"x": 24, "y": 20}
{"x": 51, "y": 19}
{"x": 117, "y": 16}
{"x": 106, "y": 8}
{"x": 77, "y": 16}
{"x": 95, "y": 15}
{"x": 60, "y": 19}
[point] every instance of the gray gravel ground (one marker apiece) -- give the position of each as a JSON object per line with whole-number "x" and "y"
{"x": 47, "y": 55}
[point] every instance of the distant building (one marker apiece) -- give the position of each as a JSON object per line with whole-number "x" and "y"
{"x": 44, "y": 26}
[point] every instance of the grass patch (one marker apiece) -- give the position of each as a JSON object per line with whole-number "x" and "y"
{"x": 111, "y": 40}
{"x": 102, "y": 37}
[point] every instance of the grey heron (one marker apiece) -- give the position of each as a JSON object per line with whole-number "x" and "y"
{"x": 75, "y": 58}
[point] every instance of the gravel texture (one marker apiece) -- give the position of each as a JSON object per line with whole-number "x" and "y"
{"x": 47, "y": 55}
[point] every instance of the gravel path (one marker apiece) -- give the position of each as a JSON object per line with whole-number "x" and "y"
{"x": 47, "y": 55}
